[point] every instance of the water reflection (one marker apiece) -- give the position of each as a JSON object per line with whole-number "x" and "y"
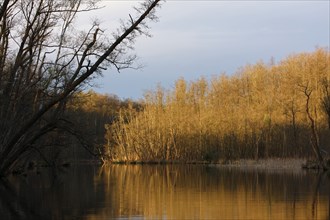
{"x": 166, "y": 192}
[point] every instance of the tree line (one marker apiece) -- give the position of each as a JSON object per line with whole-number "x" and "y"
{"x": 263, "y": 110}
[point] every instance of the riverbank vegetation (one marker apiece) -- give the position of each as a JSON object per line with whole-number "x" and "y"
{"x": 82, "y": 137}
{"x": 263, "y": 110}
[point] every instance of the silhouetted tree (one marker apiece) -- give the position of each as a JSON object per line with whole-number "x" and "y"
{"x": 43, "y": 61}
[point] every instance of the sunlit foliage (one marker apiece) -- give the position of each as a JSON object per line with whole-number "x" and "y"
{"x": 258, "y": 112}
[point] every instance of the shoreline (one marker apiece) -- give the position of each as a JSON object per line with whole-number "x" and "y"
{"x": 261, "y": 164}
{"x": 277, "y": 165}
{"x": 273, "y": 164}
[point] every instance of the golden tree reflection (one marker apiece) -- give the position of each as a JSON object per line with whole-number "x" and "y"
{"x": 197, "y": 192}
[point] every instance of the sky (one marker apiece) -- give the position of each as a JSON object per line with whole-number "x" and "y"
{"x": 208, "y": 38}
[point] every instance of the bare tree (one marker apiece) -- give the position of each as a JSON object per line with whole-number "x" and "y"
{"x": 314, "y": 134}
{"x": 43, "y": 61}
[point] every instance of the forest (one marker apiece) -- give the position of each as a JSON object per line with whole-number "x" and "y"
{"x": 263, "y": 110}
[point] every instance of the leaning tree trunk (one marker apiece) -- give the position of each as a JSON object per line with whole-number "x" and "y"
{"x": 41, "y": 68}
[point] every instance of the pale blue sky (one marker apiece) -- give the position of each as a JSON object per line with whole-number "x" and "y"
{"x": 206, "y": 38}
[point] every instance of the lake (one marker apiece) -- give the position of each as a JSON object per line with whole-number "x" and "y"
{"x": 165, "y": 192}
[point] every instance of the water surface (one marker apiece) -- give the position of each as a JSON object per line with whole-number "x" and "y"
{"x": 165, "y": 192}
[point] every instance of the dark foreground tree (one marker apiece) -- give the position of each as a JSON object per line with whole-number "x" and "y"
{"x": 44, "y": 60}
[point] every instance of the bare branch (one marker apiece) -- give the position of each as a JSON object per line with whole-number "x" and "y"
{"x": 43, "y": 62}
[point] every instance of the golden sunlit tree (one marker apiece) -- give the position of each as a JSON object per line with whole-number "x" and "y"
{"x": 264, "y": 110}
